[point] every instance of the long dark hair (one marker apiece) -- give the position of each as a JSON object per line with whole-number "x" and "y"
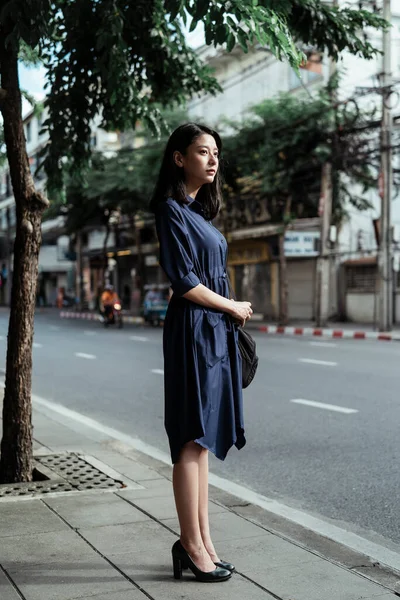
{"x": 171, "y": 179}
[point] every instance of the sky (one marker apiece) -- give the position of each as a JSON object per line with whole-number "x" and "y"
{"x": 32, "y": 80}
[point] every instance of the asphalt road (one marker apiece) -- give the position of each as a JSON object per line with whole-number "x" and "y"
{"x": 341, "y": 465}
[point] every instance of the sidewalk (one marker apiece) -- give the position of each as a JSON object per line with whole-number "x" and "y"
{"x": 354, "y": 331}
{"x": 115, "y": 544}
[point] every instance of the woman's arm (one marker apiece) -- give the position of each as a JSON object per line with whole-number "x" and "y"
{"x": 202, "y": 295}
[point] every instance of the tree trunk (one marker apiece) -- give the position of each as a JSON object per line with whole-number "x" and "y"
{"x": 16, "y": 444}
{"x": 283, "y": 279}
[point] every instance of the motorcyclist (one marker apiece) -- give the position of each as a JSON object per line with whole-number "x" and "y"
{"x": 108, "y": 298}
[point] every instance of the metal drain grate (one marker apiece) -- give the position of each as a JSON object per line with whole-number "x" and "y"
{"x": 78, "y": 472}
{"x": 65, "y": 473}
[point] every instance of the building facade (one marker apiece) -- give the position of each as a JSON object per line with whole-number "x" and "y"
{"x": 248, "y": 79}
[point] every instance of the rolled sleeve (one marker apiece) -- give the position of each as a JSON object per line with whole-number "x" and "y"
{"x": 176, "y": 257}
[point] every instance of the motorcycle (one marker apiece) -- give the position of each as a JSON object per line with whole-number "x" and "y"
{"x": 113, "y": 315}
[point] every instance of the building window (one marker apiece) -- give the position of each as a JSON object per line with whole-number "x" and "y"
{"x": 361, "y": 278}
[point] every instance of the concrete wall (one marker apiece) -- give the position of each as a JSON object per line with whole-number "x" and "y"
{"x": 49, "y": 260}
{"x": 96, "y": 239}
{"x": 360, "y": 307}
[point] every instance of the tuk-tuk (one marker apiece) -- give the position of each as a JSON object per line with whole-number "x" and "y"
{"x": 155, "y": 306}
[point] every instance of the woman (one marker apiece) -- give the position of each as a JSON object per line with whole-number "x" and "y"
{"x": 203, "y": 391}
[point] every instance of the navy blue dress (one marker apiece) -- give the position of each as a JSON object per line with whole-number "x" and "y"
{"x": 202, "y": 364}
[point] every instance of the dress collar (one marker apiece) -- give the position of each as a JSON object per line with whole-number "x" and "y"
{"x": 194, "y": 204}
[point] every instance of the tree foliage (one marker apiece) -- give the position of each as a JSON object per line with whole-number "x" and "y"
{"x": 290, "y": 139}
{"x": 119, "y": 59}
{"x": 122, "y": 181}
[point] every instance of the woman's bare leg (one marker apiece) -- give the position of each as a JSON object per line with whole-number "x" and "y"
{"x": 203, "y": 507}
{"x": 186, "y": 490}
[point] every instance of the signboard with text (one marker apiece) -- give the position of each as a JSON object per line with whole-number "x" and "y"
{"x": 302, "y": 243}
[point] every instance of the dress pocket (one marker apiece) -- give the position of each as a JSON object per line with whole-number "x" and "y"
{"x": 211, "y": 337}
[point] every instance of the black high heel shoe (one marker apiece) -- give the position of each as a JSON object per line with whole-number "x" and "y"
{"x": 181, "y": 560}
{"x": 225, "y": 565}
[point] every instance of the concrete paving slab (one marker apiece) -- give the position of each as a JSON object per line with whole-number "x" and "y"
{"x": 128, "y": 464}
{"x": 387, "y": 596}
{"x": 7, "y": 591}
{"x": 236, "y": 588}
{"x": 262, "y": 552}
{"x": 44, "y": 420}
{"x": 164, "y": 507}
{"x": 95, "y": 510}
{"x": 130, "y": 593}
{"x": 321, "y": 579}
{"x": 152, "y": 571}
{"x": 109, "y": 456}
{"x": 136, "y": 471}
{"x": 42, "y": 548}
{"x": 225, "y": 526}
{"x": 142, "y": 538}
{"x": 67, "y": 579}
{"x": 27, "y": 517}
{"x": 152, "y": 488}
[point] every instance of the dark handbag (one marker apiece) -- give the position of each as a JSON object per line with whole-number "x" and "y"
{"x": 247, "y": 349}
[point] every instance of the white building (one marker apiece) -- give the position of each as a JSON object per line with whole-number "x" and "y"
{"x": 56, "y": 269}
{"x": 247, "y": 79}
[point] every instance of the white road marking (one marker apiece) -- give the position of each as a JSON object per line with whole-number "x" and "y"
{"x": 342, "y": 536}
{"x": 87, "y": 332}
{"x": 138, "y": 338}
{"x": 313, "y": 361}
{"x": 36, "y": 345}
{"x": 158, "y": 371}
{"x": 340, "y": 409}
{"x": 323, "y": 344}
{"x": 83, "y": 355}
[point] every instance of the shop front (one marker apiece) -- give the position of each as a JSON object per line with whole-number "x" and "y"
{"x": 251, "y": 274}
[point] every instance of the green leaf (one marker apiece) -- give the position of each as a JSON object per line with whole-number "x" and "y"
{"x": 193, "y": 25}
{"x": 243, "y": 38}
{"x": 230, "y": 42}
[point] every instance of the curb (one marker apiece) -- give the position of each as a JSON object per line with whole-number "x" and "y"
{"x": 329, "y": 333}
{"x": 96, "y": 317}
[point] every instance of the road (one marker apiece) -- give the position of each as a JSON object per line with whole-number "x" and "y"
{"x": 338, "y": 461}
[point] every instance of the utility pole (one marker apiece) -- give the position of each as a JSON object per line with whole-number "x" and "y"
{"x": 385, "y": 248}
{"x": 323, "y": 265}
{"x": 325, "y": 213}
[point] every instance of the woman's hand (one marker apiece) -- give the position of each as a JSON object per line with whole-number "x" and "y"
{"x": 241, "y": 311}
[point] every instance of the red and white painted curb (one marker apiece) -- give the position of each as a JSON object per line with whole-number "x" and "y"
{"x": 96, "y": 317}
{"x": 271, "y": 329}
{"x": 330, "y": 333}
